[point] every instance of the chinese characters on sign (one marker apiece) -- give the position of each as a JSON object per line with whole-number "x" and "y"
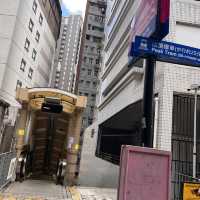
{"x": 167, "y": 51}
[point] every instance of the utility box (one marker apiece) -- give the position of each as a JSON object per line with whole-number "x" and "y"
{"x": 144, "y": 174}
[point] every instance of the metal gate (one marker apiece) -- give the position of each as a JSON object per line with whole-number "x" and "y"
{"x": 182, "y": 142}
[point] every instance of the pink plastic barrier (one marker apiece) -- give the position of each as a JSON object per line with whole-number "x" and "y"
{"x": 145, "y": 174}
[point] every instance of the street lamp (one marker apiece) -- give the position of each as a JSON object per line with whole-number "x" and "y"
{"x": 195, "y": 88}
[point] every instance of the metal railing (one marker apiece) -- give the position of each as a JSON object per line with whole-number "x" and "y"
{"x": 5, "y": 159}
{"x": 177, "y": 190}
{"x": 178, "y": 180}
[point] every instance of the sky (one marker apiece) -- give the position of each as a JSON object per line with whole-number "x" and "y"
{"x": 73, "y": 7}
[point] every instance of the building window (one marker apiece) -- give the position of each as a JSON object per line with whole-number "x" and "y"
{"x": 99, "y": 50}
{"x": 23, "y": 65}
{"x": 89, "y": 26}
{"x": 92, "y": 109}
{"x": 19, "y": 84}
{"x": 96, "y": 39}
{"x": 97, "y": 61}
{"x": 94, "y": 84}
{"x": 99, "y": 19}
{"x": 41, "y": 19}
{"x": 93, "y": 96}
{"x": 31, "y": 24}
{"x": 81, "y": 81}
{"x": 34, "y": 7}
{"x": 37, "y": 37}
{"x": 98, "y": 29}
{"x": 83, "y": 69}
{"x": 34, "y": 53}
{"x": 89, "y": 72}
{"x": 96, "y": 72}
{"x": 88, "y": 83}
{"x": 85, "y": 59}
{"x": 91, "y": 60}
{"x": 86, "y": 94}
{"x": 30, "y": 73}
{"x": 87, "y": 37}
{"x": 90, "y": 121}
{"x": 27, "y": 44}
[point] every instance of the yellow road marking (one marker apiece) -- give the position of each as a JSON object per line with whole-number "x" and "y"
{"x": 74, "y": 193}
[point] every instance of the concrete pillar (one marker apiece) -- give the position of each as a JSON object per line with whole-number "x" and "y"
{"x": 21, "y": 129}
{"x": 73, "y": 139}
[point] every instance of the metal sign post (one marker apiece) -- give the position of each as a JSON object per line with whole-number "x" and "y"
{"x": 148, "y": 96}
{"x": 151, "y": 21}
{"x": 195, "y": 135}
{"x": 195, "y": 88}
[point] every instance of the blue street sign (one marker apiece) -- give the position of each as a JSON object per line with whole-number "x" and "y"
{"x": 167, "y": 51}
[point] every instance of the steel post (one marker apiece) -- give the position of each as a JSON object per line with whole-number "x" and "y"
{"x": 195, "y": 134}
{"x": 148, "y": 96}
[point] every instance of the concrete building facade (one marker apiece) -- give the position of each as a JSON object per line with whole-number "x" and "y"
{"x": 95, "y": 172}
{"x": 29, "y": 30}
{"x": 91, "y": 56}
{"x": 67, "y": 54}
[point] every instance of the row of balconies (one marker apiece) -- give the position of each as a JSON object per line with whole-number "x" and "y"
{"x": 96, "y": 33}
{"x": 98, "y": 20}
{"x": 97, "y": 10}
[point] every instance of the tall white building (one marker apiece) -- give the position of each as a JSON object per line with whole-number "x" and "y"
{"x": 67, "y": 54}
{"x": 120, "y": 107}
{"x": 29, "y": 30}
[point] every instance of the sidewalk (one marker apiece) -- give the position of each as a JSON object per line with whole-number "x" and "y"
{"x": 34, "y": 190}
{"x": 43, "y": 190}
{"x": 88, "y": 193}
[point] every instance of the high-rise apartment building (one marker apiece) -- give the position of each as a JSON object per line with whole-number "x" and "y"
{"x": 29, "y": 30}
{"x": 91, "y": 56}
{"x": 67, "y": 54}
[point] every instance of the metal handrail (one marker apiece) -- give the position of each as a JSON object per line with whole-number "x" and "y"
{"x": 2, "y": 154}
{"x": 197, "y": 179}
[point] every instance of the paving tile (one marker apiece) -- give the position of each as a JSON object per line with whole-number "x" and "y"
{"x": 88, "y": 193}
{"x": 36, "y": 190}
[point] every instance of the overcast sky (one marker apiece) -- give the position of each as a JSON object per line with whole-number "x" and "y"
{"x": 73, "y": 7}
